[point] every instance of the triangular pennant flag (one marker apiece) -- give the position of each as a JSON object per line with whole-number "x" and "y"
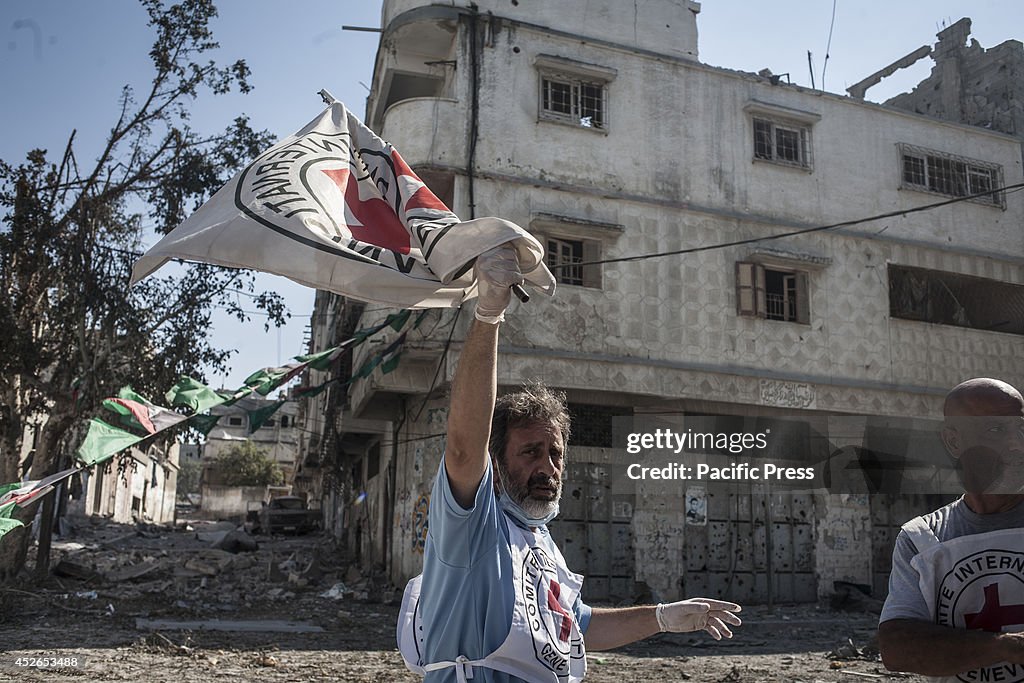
{"x": 310, "y": 392}
{"x": 193, "y": 394}
{"x": 133, "y": 413}
{"x": 390, "y": 356}
{"x": 161, "y": 418}
{"x": 323, "y": 359}
{"x": 360, "y": 336}
{"x": 137, "y": 412}
{"x": 233, "y": 397}
{"x": 103, "y": 441}
{"x": 260, "y": 415}
{"x": 391, "y": 363}
{"x": 337, "y": 208}
{"x": 397, "y": 320}
{"x": 204, "y": 423}
{"x": 30, "y": 490}
{"x": 371, "y": 363}
{"x": 6, "y": 488}
{"x": 266, "y": 380}
{"x": 366, "y": 368}
{"x": 8, "y": 523}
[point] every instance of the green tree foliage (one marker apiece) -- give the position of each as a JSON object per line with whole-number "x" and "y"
{"x": 189, "y": 474}
{"x": 246, "y": 464}
{"x": 73, "y": 331}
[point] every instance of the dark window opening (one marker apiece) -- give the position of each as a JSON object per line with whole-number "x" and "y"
{"x": 780, "y": 291}
{"x": 592, "y": 424}
{"x": 373, "y": 462}
{"x": 565, "y": 258}
{"x": 408, "y": 86}
{"x": 762, "y": 139}
{"x": 357, "y": 474}
{"x": 235, "y": 421}
{"x": 952, "y": 299}
{"x": 772, "y": 293}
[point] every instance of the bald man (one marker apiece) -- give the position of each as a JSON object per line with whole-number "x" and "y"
{"x": 955, "y": 609}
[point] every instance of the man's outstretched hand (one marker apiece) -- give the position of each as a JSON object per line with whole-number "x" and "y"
{"x": 699, "y": 614}
{"x": 496, "y": 271}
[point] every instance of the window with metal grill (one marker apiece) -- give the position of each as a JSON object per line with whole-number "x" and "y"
{"x": 950, "y": 175}
{"x": 572, "y": 100}
{"x": 781, "y": 142}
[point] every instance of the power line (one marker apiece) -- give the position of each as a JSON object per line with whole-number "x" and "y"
{"x": 793, "y": 233}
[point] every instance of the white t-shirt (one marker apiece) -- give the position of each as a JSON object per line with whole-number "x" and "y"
{"x": 905, "y": 600}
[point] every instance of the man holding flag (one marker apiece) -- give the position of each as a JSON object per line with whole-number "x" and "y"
{"x": 496, "y": 601}
{"x": 335, "y": 207}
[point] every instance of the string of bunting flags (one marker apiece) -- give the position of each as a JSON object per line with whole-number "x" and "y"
{"x": 135, "y": 418}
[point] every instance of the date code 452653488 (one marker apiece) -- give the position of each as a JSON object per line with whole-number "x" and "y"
{"x": 48, "y": 662}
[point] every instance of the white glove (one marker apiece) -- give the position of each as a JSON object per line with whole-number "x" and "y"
{"x": 698, "y": 614}
{"x": 496, "y": 270}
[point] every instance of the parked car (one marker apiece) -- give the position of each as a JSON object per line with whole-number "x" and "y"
{"x": 284, "y": 514}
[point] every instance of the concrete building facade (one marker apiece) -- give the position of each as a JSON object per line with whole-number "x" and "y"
{"x": 594, "y": 125}
{"x": 277, "y": 436}
{"x": 138, "y": 487}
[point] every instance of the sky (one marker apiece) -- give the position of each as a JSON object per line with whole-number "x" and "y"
{"x": 63, "y": 64}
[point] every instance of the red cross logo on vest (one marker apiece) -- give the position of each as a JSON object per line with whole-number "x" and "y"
{"x": 553, "y": 591}
{"x": 993, "y": 616}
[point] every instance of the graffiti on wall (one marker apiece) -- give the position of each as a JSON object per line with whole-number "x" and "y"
{"x": 419, "y": 523}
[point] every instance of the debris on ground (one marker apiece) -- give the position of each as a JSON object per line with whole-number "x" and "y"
{"x": 854, "y": 597}
{"x": 300, "y": 608}
{"x": 848, "y": 651}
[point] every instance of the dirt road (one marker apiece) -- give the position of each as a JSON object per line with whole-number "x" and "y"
{"x": 331, "y": 624}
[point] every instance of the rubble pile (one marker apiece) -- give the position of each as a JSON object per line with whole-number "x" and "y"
{"x": 203, "y": 569}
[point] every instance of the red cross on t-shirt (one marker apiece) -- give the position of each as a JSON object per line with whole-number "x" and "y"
{"x": 993, "y": 615}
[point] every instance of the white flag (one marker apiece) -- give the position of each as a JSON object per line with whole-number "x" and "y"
{"x": 337, "y": 208}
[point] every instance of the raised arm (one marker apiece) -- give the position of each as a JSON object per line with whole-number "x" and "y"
{"x": 475, "y": 384}
{"x": 935, "y": 650}
{"x": 469, "y": 414}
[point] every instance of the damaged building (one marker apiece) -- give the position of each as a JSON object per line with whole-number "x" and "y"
{"x": 137, "y": 487}
{"x": 598, "y": 129}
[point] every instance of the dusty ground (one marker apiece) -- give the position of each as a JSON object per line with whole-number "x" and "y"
{"x": 179, "y": 577}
